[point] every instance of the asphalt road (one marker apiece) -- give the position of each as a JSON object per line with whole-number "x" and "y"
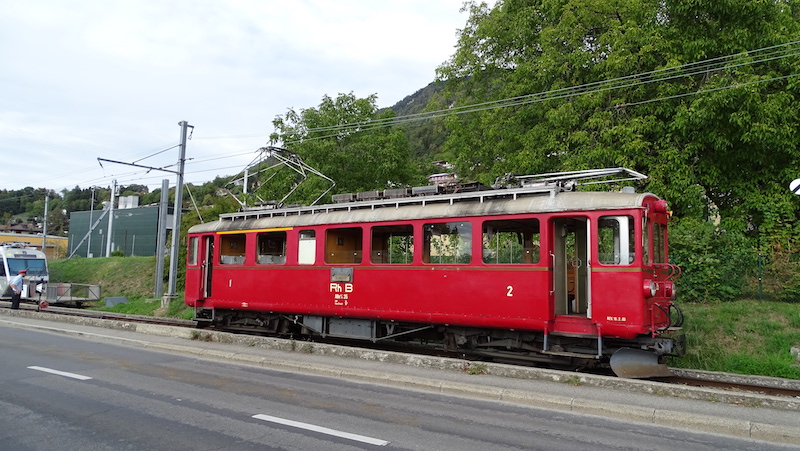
{"x": 64, "y": 393}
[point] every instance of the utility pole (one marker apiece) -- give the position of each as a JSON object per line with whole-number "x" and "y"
{"x": 109, "y": 243}
{"x": 176, "y": 225}
{"x": 44, "y": 227}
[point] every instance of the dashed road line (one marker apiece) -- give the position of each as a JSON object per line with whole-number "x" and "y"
{"x": 60, "y": 373}
{"x": 322, "y": 430}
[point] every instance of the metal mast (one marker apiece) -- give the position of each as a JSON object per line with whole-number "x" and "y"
{"x": 176, "y": 225}
{"x": 109, "y": 241}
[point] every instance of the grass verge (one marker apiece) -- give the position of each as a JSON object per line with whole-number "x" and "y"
{"x": 744, "y": 337}
{"x": 129, "y": 277}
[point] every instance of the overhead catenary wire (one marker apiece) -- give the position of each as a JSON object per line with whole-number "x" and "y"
{"x": 705, "y": 91}
{"x": 157, "y": 153}
{"x": 667, "y": 74}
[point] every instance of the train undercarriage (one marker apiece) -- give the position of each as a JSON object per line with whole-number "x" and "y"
{"x": 639, "y": 358}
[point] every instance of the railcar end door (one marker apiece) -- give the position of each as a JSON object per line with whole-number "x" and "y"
{"x": 570, "y": 256}
{"x": 208, "y": 265}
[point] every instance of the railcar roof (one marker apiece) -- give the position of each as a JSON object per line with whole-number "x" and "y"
{"x": 491, "y": 203}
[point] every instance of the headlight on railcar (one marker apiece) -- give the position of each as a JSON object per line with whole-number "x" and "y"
{"x": 650, "y": 288}
{"x": 669, "y": 289}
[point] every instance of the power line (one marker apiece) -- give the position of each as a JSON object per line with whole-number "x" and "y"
{"x": 157, "y": 153}
{"x": 705, "y": 91}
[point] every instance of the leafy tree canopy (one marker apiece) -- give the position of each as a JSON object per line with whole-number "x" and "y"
{"x": 350, "y": 141}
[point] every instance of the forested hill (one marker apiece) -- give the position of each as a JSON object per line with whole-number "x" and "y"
{"x": 426, "y": 137}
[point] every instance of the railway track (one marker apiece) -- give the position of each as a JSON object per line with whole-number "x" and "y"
{"x": 97, "y": 314}
{"x": 734, "y": 383}
{"x": 768, "y": 386}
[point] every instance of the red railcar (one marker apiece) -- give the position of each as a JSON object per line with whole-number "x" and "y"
{"x": 536, "y": 270}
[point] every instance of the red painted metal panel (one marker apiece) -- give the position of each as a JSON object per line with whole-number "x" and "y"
{"x": 453, "y": 295}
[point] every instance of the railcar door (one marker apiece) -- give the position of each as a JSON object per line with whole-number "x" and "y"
{"x": 207, "y": 265}
{"x": 570, "y": 256}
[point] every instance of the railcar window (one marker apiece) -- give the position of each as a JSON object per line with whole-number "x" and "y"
{"x": 343, "y": 245}
{"x": 646, "y": 256}
{"x": 659, "y": 242}
{"x": 191, "y": 259}
{"x": 393, "y": 245}
{"x": 615, "y": 240}
{"x": 514, "y": 242}
{"x": 272, "y": 248}
{"x": 307, "y": 248}
{"x": 232, "y": 249}
{"x": 447, "y": 243}
{"x": 35, "y": 266}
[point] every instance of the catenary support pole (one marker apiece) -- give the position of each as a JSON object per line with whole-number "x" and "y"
{"x": 109, "y": 242}
{"x": 176, "y": 225}
{"x": 44, "y": 227}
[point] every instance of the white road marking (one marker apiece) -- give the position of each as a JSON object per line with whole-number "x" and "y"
{"x": 60, "y": 373}
{"x": 323, "y": 430}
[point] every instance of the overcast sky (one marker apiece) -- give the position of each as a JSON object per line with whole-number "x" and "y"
{"x": 83, "y": 79}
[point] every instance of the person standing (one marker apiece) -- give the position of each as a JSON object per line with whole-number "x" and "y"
{"x": 16, "y": 287}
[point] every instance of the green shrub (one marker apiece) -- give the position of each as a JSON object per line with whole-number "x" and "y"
{"x": 716, "y": 262}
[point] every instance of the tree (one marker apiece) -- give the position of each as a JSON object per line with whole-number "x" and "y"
{"x": 133, "y": 189}
{"x": 57, "y": 222}
{"x": 348, "y": 140}
{"x": 11, "y": 202}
